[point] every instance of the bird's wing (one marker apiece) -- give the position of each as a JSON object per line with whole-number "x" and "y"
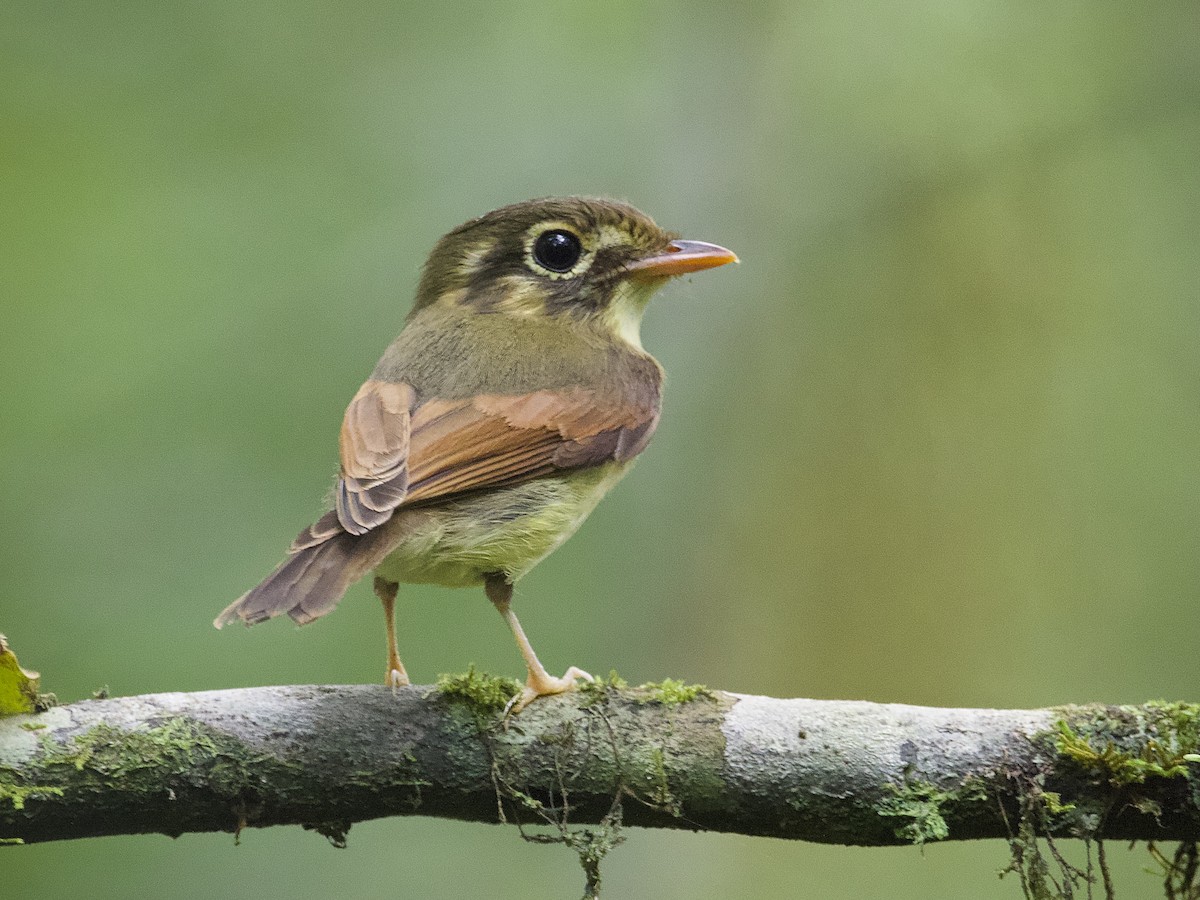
{"x": 374, "y": 445}
{"x": 396, "y": 451}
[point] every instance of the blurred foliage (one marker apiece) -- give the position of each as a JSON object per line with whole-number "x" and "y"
{"x": 937, "y": 440}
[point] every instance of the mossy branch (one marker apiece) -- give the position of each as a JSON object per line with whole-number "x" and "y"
{"x": 657, "y": 756}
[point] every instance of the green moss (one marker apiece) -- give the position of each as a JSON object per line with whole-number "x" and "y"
{"x": 18, "y": 688}
{"x": 1127, "y": 745}
{"x": 592, "y": 845}
{"x": 133, "y": 761}
{"x": 480, "y": 690}
{"x": 924, "y": 806}
{"x": 599, "y": 690}
{"x": 660, "y": 794}
{"x": 18, "y": 794}
{"x": 1127, "y": 748}
{"x": 670, "y": 692}
{"x": 175, "y": 743}
{"x": 919, "y": 803}
{"x": 1054, "y": 804}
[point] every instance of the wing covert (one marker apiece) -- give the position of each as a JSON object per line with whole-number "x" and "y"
{"x": 396, "y": 451}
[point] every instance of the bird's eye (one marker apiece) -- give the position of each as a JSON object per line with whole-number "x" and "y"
{"x": 558, "y": 250}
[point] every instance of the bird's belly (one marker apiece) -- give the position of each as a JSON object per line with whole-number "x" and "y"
{"x": 506, "y": 530}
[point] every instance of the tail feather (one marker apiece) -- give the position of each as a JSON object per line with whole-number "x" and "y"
{"x": 306, "y": 585}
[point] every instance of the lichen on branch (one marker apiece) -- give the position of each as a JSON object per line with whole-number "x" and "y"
{"x": 578, "y": 767}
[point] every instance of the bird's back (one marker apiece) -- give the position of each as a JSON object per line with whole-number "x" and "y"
{"x": 452, "y": 353}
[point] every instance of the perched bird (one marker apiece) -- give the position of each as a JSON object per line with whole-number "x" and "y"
{"x": 517, "y": 394}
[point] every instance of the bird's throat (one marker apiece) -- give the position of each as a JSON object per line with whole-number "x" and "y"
{"x": 622, "y": 317}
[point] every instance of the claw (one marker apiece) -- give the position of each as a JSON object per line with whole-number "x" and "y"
{"x": 542, "y": 684}
{"x": 396, "y": 678}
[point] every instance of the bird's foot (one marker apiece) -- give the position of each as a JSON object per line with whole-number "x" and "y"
{"x": 540, "y": 684}
{"x": 396, "y": 676}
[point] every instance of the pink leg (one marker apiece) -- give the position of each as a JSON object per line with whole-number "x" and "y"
{"x": 386, "y": 591}
{"x": 540, "y": 682}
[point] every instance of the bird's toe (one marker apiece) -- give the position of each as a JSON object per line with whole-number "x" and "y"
{"x": 543, "y": 684}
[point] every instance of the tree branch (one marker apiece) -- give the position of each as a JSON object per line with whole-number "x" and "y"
{"x": 828, "y": 771}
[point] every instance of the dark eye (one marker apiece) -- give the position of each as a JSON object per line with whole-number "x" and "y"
{"x": 557, "y": 250}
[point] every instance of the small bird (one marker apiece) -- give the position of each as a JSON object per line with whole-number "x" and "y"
{"x": 515, "y": 397}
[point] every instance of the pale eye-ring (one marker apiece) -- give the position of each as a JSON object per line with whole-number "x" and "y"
{"x": 557, "y": 250}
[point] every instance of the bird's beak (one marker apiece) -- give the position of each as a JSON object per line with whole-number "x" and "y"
{"x": 680, "y": 258}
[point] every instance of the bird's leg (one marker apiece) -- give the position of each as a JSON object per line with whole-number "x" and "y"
{"x": 386, "y": 592}
{"x": 540, "y": 682}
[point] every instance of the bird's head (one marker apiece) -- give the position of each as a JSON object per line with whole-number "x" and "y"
{"x": 596, "y": 261}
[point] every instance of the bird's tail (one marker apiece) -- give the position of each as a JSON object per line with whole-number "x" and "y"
{"x": 306, "y": 585}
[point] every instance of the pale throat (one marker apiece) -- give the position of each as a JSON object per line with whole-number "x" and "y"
{"x": 623, "y": 314}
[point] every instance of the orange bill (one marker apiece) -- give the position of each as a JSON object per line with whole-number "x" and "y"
{"x": 682, "y": 257}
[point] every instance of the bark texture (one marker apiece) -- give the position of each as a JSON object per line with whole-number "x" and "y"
{"x": 659, "y": 756}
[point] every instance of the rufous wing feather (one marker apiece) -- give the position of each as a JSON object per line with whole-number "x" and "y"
{"x": 374, "y": 450}
{"x": 494, "y": 439}
{"x": 396, "y": 452}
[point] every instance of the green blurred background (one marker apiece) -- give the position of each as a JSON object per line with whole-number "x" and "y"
{"x": 936, "y": 440}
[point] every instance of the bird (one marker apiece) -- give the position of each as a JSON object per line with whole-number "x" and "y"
{"x": 516, "y": 395}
